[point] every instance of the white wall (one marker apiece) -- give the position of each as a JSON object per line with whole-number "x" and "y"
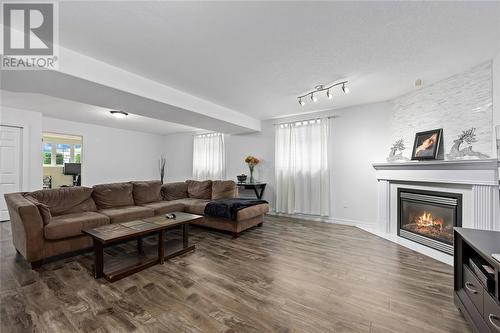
{"x": 178, "y": 149}
{"x": 110, "y": 154}
{"x": 454, "y": 104}
{"x": 359, "y": 137}
{"x": 260, "y": 145}
{"x": 31, "y": 124}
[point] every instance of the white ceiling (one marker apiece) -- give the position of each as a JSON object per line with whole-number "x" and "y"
{"x": 256, "y": 57}
{"x": 80, "y": 112}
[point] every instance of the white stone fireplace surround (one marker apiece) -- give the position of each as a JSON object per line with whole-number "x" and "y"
{"x": 476, "y": 180}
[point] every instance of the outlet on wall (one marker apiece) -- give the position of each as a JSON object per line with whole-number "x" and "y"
{"x": 345, "y": 204}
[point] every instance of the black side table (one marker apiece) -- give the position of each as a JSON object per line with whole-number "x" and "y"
{"x": 258, "y": 188}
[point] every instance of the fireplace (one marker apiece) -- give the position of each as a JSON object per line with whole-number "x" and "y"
{"x": 428, "y": 217}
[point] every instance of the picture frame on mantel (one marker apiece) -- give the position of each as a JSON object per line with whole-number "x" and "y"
{"x": 428, "y": 145}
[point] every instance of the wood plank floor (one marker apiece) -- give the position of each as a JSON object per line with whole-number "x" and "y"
{"x": 288, "y": 276}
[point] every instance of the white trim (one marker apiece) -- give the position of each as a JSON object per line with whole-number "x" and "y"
{"x": 470, "y": 172}
{"x": 24, "y": 155}
{"x": 384, "y": 207}
{"x": 484, "y": 164}
{"x": 486, "y": 213}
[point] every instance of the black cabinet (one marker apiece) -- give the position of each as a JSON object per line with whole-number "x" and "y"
{"x": 477, "y": 290}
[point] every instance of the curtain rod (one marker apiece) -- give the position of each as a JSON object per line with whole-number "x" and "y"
{"x": 308, "y": 119}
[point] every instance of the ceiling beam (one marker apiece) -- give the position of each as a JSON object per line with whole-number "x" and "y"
{"x": 88, "y": 80}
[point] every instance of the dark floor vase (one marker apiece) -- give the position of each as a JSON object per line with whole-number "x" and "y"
{"x": 428, "y": 217}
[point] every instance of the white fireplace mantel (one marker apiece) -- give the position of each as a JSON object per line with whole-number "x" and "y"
{"x": 471, "y": 172}
{"x": 479, "y": 178}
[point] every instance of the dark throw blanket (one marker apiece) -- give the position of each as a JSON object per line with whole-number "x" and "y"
{"x": 227, "y": 208}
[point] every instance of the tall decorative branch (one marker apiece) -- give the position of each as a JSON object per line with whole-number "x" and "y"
{"x": 161, "y": 167}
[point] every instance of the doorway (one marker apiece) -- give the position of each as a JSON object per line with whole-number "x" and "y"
{"x": 62, "y": 160}
{"x": 10, "y": 164}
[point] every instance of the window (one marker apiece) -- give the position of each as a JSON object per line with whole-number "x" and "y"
{"x": 47, "y": 154}
{"x": 63, "y": 153}
{"x": 208, "y": 156}
{"x": 302, "y": 174}
{"x": 56, "y": 151}
{"x": 78, "y": 153}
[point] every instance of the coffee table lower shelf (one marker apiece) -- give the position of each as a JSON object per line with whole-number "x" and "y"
{"x": 175, "y": 247}
{"x": 125, "y": 264}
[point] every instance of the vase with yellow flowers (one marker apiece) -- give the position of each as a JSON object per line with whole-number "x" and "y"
{"x": 251, "y": 161}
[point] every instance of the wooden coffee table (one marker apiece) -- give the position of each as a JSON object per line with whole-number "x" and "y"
{"x": 126, "y": 264}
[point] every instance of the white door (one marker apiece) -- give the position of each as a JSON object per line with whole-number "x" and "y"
{"x": 10, "y": 165}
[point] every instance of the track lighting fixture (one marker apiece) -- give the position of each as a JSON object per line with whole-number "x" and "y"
{"x": 320, "y": 88}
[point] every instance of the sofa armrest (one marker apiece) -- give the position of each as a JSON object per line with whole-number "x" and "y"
{"x": 252, "y": 211}
{"x": 27, "y": 226}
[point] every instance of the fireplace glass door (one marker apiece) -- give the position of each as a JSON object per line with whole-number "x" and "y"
{"x": 428, "y": 217}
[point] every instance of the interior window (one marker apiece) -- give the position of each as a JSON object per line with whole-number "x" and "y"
{"x": 61, "y": 158}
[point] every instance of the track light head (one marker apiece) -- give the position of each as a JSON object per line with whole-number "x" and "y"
{"x": 314, "y": 98}
{"x": 301, "y": 102}
{"x": 345, "y": 89}
{"x": 328, "y": 94}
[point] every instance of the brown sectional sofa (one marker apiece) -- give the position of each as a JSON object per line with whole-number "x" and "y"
{"x": 47, "y": 223}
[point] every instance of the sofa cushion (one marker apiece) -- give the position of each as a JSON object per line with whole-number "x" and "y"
{"x": 71, "y": 225}
{"x": 164, "y": 207}
{"x": 146, "y": 191}
{"x": 253, "y": 211}
{"x": 66, "y": 200}
{"x": 196, "y": 206}
{"x": 113, "y": 195}
{"x": 199, "y": 189}
{"x": 174, "y": 191}
{"x": 42, "y": 208}
{"x": 224, "y": 189}
{"x": 128, "y": 213}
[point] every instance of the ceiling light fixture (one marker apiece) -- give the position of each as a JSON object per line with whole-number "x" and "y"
{"x": 320, "y": 88}
{"x": 119, "y": 114}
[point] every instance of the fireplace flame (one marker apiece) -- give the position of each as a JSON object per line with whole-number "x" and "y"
{"x": 427, "y": 220}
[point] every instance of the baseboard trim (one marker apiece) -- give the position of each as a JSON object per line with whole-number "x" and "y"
{"x": 326, "y": 219}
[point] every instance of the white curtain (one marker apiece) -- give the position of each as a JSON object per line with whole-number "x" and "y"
{"x": 302, "y": 174}
{"x": 209, "y": 160}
